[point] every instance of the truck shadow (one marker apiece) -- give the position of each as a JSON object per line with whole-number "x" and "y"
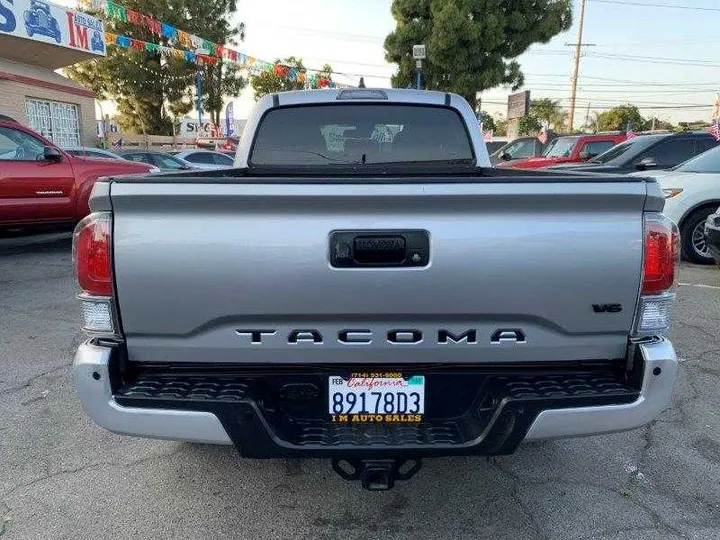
{"x": 446, "y": 495}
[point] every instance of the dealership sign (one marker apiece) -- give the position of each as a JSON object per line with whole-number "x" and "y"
{"x": 518, "y": 104}
{"x": 42, "y": 21}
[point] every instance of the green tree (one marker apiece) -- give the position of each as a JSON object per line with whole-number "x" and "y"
{"x": 528, "y": 125}
{"x": 470, "y": 44}
{"x": 488, "y": 122}
{"x": 618, "y": 118}
{"x": 694, "y": 125}
{"x": 210, "y": 19}
{"x": 501, "y": 127}
{"x": 659, "y": 124}
{"x": 151, "y": 92}
{"x": 548, "y": 110}
{"x": 269, "y": 82}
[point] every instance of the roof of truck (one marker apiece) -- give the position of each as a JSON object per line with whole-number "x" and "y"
{"x": 329, "y": 95}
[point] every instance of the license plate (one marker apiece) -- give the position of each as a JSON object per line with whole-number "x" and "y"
{"x": 381, "y": 398}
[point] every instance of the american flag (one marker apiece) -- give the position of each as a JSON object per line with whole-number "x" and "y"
{"x": 629, "y": 131}
{"x": 488, "y": 135}
{"x": 715, "y": 129}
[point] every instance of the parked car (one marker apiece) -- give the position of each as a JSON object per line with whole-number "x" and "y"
{"x": 521, "y": 148}
{"x": 39, "y": 20}
{"x": 569, "y": 149}
{"x": 494, "y": 146}
{"x": 712, "y": 235}
{"x": 692, "y": 193}
{"x": 83, "y": 151}
{"x": 41, "y": 183}
{"x": 647, "y": 152}
{"x": 206, "y": 159}
{"x": 162, "y": 160}
{"x": 377, "y": 302}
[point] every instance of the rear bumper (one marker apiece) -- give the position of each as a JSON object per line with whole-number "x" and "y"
{"x": 92, "y": 374}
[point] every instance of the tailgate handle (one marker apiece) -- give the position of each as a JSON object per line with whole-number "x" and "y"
{"x": 354, "y": 249}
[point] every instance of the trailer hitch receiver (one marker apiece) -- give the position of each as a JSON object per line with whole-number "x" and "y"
{"x": 377, "y": 474}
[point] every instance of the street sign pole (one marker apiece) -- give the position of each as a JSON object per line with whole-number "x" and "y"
{"x": 198, "y": 86}
{"x": 419, "y": 56}
{"x": 198, "y": 83}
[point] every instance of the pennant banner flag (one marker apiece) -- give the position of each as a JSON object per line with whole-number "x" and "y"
{"x": 212, "y": 52}
{"x": 117, "y": 12}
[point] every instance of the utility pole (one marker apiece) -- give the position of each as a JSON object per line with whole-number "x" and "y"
{"x": 576, "y": 68}
{"x": 587, "y": 115}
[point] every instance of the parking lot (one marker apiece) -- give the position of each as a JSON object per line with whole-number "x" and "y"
{"x": 63, "y": 477}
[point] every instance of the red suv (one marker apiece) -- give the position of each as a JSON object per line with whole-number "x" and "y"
{"x": 569, "y": 149}
{"x": 40, "y": 183}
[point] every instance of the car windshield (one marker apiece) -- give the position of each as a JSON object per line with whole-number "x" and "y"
{"x": 361, "y": 134}
{"x": 627, "y": 149}
{"x": 708, "y": 162}
{"x": 166, "y": 161}
{"x": 561, "y": 147}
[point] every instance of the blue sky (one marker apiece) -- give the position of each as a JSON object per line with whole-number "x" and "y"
{"x": 349, "y": 35}
{"x": 678, "y": 49}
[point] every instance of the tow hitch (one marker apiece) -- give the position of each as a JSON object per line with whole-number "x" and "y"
{"x": 377, "y": 474}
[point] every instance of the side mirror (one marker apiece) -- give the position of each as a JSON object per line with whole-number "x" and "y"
{"x": 585, "y": 155}
{"x": 52, "y": 154}
{"x": 646, "y": 163}
{"x": 505, "y": 156}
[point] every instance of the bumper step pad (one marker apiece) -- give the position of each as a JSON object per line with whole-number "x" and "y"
{"x": 469, "y": 411}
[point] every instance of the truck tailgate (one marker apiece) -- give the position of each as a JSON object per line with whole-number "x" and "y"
{"x": 525, "y": 272}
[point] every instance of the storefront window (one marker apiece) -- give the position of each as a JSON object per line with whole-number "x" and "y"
{"x": 54, "y": 120}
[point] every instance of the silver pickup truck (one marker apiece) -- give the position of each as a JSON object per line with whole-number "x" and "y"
{"x": 363, "y": 287}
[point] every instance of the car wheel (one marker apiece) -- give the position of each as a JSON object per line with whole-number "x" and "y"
{"x": 694, "y": 245}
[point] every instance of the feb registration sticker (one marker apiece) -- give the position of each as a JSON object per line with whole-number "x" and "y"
{"x": 376, "y": 398}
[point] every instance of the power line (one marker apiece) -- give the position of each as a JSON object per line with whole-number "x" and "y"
{"x": 642, "y": 4}
{"x": 607, "y": 107}
{"x": 650, "y": 60}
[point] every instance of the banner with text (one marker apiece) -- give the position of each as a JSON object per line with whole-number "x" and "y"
{"x": 46, "y": 22}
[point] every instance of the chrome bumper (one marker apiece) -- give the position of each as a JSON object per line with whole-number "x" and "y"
{"x": 92, "y": 381}
{"x": 661, "y": 370}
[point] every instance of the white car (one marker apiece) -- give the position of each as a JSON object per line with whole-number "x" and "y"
{"x": 206, "y": 159}
{"x": 692, "y": 193}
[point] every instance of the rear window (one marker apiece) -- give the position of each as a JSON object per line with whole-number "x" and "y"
{"x": 360, "y": 134}
{"x": 561, "y": 148}
{"x": 709, "y": 162}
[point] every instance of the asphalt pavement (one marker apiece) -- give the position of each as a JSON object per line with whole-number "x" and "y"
{"x": 61, "y": 476}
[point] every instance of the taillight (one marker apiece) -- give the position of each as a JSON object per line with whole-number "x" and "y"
{"x": 661, "y": 261}
{"x": 91, "y": 254}
{"x": 662, "y": 254}
{"x": 93, "y": 269}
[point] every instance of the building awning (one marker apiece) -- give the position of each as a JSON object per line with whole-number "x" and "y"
{"x": 37, "y": 53}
